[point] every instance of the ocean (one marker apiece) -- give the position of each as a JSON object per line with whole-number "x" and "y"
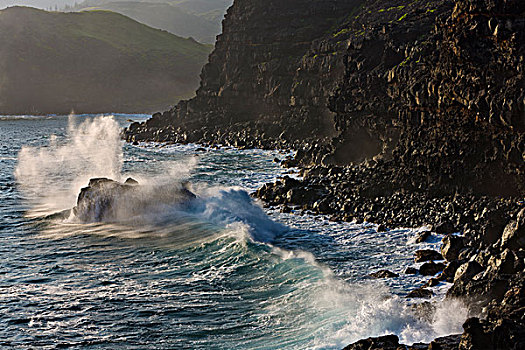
{"x": 219, "y": 271}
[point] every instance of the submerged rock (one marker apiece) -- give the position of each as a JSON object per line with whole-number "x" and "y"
{"x": 431, "y": 268}
{"x": 427, "y": 255}
{"x": 384, "y": 274}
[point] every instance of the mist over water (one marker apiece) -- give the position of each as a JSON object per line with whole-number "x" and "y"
{"x": 53, "y": 175}
{"x": 217, "y": 271}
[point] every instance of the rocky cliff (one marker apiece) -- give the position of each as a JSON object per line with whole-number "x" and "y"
{"x": 402, "y": 113}
{"x": 433, "y": 88}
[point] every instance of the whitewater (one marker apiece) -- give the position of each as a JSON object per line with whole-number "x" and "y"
{"x": 219, "y": 271}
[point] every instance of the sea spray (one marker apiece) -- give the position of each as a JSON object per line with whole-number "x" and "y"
{"x": 52, "y": 176}
{"x": 214, "y": 272}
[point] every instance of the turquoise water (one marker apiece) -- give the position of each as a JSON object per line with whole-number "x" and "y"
{"x": 219, "y": 272}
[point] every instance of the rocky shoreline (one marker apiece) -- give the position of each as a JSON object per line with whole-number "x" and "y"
{"x": 402, "y": 114}
{"x": 485, "y": 263}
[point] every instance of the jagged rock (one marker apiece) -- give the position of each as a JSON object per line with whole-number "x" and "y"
{"x": 449, "y": 272}
{"x": 427, "y": 255}
{"x": 423, "y": 236}
{"x": 506, "y": 263}
{"x": 451, "y": 247}
{"x": 450, "y": 342}
{"x": 431, "y": 268}
{"x": 103, "y": 199}
{"x": 420, "y": 293}
{"x": 514, "y": 234}
{"x": 432, "y": 282}
{"x": 474, "y": 336}
{"x": 384, "y": 274}
{"x": 467, "y": 271}
{"x": 387, "y": 342}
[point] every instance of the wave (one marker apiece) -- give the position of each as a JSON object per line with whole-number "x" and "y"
{"x": 291, "y": 299}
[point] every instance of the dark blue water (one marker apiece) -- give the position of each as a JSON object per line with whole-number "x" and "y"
{"x": 218, "y": 273}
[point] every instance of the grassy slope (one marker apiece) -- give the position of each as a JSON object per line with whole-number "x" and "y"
{"x": 200, "y": 19}
{"x": 166, "y": 16}
{"x": 92, "y": 62}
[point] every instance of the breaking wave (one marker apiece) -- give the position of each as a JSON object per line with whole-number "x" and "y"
{"x": 287, "y": 298}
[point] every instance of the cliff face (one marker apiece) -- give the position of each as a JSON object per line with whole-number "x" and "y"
{"x": 433, "y": 89}
{"x": 246, "y": 86}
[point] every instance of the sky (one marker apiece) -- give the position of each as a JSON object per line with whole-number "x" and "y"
{"x": 43, "y": 4}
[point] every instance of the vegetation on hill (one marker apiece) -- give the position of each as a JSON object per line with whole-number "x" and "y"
{"x": 96, "y": 61}
{"x": 200, "y": 19}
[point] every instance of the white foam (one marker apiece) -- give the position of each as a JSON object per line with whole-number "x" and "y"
{"x": 52, "y": 176}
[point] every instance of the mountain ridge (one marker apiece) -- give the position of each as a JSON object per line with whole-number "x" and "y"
{"x": 91, "y": 62}
{"x": 182, "y": 18}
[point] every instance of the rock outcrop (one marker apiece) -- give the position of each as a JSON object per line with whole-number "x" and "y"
{"x": 429, "y": 89}
{"x": 109, "y": 200}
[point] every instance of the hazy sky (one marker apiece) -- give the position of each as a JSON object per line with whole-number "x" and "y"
{"x": 43, "y": 4}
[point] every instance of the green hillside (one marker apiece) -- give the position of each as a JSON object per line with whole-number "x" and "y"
{"x": 199, "y": 19}
{"x": 96, "y": 61}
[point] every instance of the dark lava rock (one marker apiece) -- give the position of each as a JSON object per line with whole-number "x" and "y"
{"x": 420, "y": 293}
{"x": 423, "y": 236}
{"x": 432, "y": 282}
{"x": 411, "y": 271}
{"x": 381, "y": 228}
{"x": 450, "y": 342}
{"x": 427, "y": 255}
{"x": 449, "y": 272}
{"x": 96, "y": 201}
{"x": 384, "y": 274}
{"x": 451, "y": 247}
{"x": 431, "y": 268}
{"x": 103, "y": 199}
{"x": 467, "y": 271}
{"x": 387, "y": 342}
{"x": 444, "y": 227}
{"x": 514, "y": 234}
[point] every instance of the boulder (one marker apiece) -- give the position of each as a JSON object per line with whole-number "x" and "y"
{"x": 449, "y": 272}
{"x": 431, "y": 268}
{"x": 384, "y": 274}
{"x": 427, "y": 255}
{"x": 104, "y": 199}
{"x": 467, "y": 271}
{"x": 514, "y": 233}
{"x": 452, "y": 246}
{"x": 387, "y": 342}
{"x": 423, "y": 236}
{"x": 96, "y": 201}
{"x": 506, "y": 263}
{"x": 420, "y": 293}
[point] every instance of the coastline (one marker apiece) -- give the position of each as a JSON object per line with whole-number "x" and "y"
{"x": 481, "y": 235}
{"x": 402, "y": 115}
